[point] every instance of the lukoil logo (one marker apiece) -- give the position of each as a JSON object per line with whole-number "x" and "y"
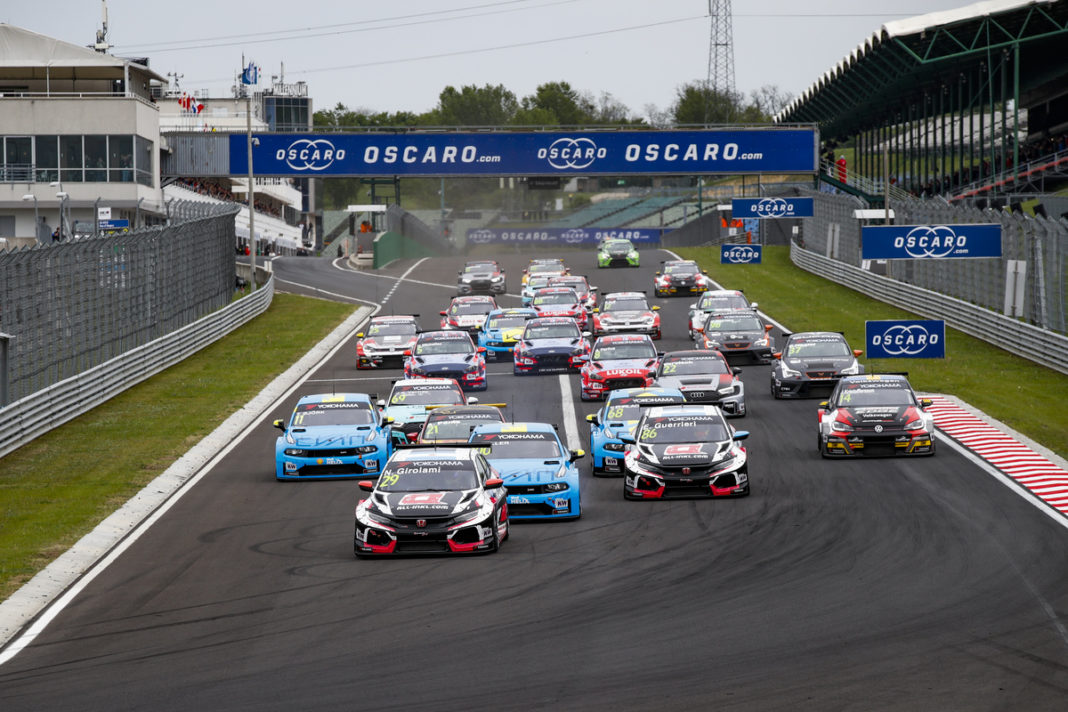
{"x": 308, "y": 155}
{"x": 573, "y": 236}
{"x": 741, "y": 254}
{"x": 772, "y": 208}
{"x": 905, "y": 339}
{"x": 577, "y": 153}
{"x": 480, "y": 237}
{"x": 930, "y": 241}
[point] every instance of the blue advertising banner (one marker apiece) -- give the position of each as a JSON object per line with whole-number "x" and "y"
{"x": 740, "y": 254}
{"x": 113, "y": 224}
{"x": 562, "y": 235}
{"x": 912, "y": 242}
{"x": 765, "y": 150}
{"x": 743, "y": 208}
{"x": 915, "y": 338}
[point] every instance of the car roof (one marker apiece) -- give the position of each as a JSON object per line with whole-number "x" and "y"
{"x": 459, "y": 411}
{"x": 616, "y": 295}
{"x": 723, "y": 293}
{"x": 397, "y": 318}
{"x": 877, "y": 378}
{"x": 817, "y": 336}
{"x": 474, "y": 298}
{"x": 512, "y": 311}
{"x": 623, "y": 338}
{"x": 335, "y": 398}
{"x": 510, "y": 427}
{"x": 554, "y": 290}
{"x": 425, "y": 382}
{"x": 651, "y": 392}
{"x": 436, "y": 453}
{"x": 443, "y": 335}
{"x": 694, "y": 353}
{"x": 682, "y": 411}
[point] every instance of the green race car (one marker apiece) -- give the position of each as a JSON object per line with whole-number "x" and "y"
{"x": 617, "y": 253}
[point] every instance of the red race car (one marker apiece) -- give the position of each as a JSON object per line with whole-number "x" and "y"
{"x": 619, "y": 361}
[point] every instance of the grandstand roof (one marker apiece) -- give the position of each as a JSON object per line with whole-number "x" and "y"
{"x": 24, "y": 53}
{"x": 909, "y": 57}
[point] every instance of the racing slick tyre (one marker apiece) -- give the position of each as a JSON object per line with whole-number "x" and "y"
{"x": 822, "y": 447}
{"x": 774, "y": 391}
{"x": 501, "y": 517}
{"x": 657, "y": 335}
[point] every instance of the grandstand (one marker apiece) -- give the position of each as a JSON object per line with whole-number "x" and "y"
{"x": 283, "y": 238}
{"x": 596, "y": 213}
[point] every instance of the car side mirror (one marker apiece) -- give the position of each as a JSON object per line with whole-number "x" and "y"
{"x": 366, "y": 485}
{"x": 740, "y": 435}
{"x": 754, "y": 305}
{"x": 925, "y": 403}
{"x": 387, "y": 421}
{"x": 471, "y": 400}
{"x": 359, "y": 335}
{"x": 736, "y": 371}
{"x": 494, "y": 483}
{"x": 657, "y": 273}
{"x": 380, "y": 403}
{"x": 778, "y": 355}
{"x": 482, "y": 349}
{"x": 587, "y": 334}
{"x": 858, "y": 352}
{"x": 768, "y": 327}
{"x": 280, "y": 424}
{"x": 596, "y": 310}
{"x": 656, "y": 308}
{"x": 442, "y": 313}
{"x": 592, "y": 418}
{"x": 577, "y": 454}
{"x": 407, "y": 352}
{"x": 692, "y": 307}
{"x": 825, "y": 405}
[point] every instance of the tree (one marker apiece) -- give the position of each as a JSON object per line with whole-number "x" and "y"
{"x": 770, "y": 100}
{"x": 567, "y": 106}
{"x": 474, "y": 106}
{"x": 697, "y": 103}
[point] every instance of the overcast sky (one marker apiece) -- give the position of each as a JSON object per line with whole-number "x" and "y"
{"x": 400, "y": 55}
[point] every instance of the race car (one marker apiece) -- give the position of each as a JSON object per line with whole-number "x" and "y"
{"x": 385, "y": 341}
{"x": 437, "y": 500}
{"x": 626, "y": 312}
{"x": 547, "y": 267}
{"x": 811, "y": 363}
{"x": 452, "y": 425}
{"x": 685, "y": 451}
{"x": 447, "y": 354}
{"x": 331, "y": 435}
{"x": 874, "y": 416}
{"x": 619, "y": 416}
{"x": 502, "y": 329}
{"x": 539, "y": 472}
{"x": 680, "y": 277}
{"x": 533, "y": 284}
{"x": 467, "y": 313}
{"x": 586, "y": 294}
{"x": 617, "y": 253}
{"x": 738, "y": 334}
{"x": 481, "y": 277}
{"x": 550, "y": 344}
{"x": 559, "y": 301}
{"x": 703, "y": 377}
{"x": 410, "y": 400}
{"x": 716, "y": 300}
{"x": 618, "y": 361}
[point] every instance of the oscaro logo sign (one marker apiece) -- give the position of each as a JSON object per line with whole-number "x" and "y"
{"x": 572, "y": 153}
{"x": 740, "y": 254}
{"x": 772, "y": 208}
{"x": 930, "y": 241}
{"x": 481, "y": 237}
{"x": 573, "y": 236}
{"x": 905, "y": 340}
{"x": 308, "y": 155}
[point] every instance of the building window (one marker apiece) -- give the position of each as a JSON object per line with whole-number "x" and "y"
{"x": 70, "y": 154}
{"x": 96, "y": 159}
{"x": 46, "y": 150}
{"x": 120, "y": 159}
{"x": 143, "y": 158}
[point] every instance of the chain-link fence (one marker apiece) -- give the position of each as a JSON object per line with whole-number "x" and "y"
{"x": 71, "y": 306}
{"x": 1041, "y": 244}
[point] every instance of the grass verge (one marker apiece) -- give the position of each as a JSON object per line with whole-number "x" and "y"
{"x": 58, "y": 487}
{"x": 1018, "y": 392}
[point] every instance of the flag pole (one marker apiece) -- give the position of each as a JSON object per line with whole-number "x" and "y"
{"x": 251, "y": 189}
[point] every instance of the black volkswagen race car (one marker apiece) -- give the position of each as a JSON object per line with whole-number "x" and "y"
{"x": 811, "y": 363}
{"x": 432, "y": 501}
{"x": 875, "y": 415}
{"x": 685, "y": 451}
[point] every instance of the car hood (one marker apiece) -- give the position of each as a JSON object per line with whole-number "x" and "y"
{"x": 684, "y": 455}
{"x": 467, "y": 319}
{"x": 621, "y": 427}
{"x": 442, "y": 362}
{"x": 626, "y": 315}
{"x": 734, "y": 335}
{"x": 870, "y": 416}
{"x": 427, "y": 504}
{"x": 819, "y": 364}
{"x": 625, "y": 365}
{"x": 405, "y": 413}
{"x": 528, "y": 471}
{"x": 332, "y": 436}
{"x": 553, "y": 346}
{"x": 714, "y": 381}
{"x": 510, "y": 334}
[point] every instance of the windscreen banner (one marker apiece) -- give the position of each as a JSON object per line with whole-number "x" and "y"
{"x": 906, "y": 338}
{"x": 740, "y": 254}
{"x": 744, "y": 208}
{"x": 562, "y": 235}
{"x": 736, "y": 151}
{"x": 930, "y": 242}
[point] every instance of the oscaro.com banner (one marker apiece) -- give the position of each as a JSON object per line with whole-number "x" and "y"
{"x": 740, "y": 254}
{"x": 528, "y": 153}
{"x": 908, "y": 338}
{"x": 742, "y": 208}
{"x": 561, "y": 235}
{"x": 909, "y": 242}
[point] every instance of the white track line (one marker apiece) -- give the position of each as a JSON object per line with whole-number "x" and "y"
{"x": 568, "y": 403}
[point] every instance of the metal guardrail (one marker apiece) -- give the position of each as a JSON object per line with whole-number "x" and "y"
{"x": 37, "y": 413}
{"x": 1031, "y": 342}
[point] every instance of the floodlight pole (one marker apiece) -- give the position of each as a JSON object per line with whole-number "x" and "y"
{"x": 251, "y": 191}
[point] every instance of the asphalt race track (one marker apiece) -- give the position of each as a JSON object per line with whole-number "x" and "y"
{"x": 876, "y": 585}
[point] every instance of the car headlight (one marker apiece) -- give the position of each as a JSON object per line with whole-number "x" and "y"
{"x": 296, "y": 452}
{"x": 471, "y": 369}
{"x": 840, "y": 427}
{"x": 914, "y": 424}
{"x": 851, "y": 370}
{"x": 761, "y": 342}
{"x": 632, "y": 253}
{"x": 788, "y": 372}
{"x": 615, "y": 447}
{"x": 365, "y": 449}
{"x": 556, "y": 487}
{"x": 498, "y": 278}
{"x": 465, "y": 280}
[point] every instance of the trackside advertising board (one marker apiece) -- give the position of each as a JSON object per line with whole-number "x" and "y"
{"x": 743, "y": 208}
{"x": 914, "y": 338}
{"x": 923, "y": 242}
{"x": 562, "y": 235}
{"x": 766, "y": 150}
{"x": 740, "y": 254}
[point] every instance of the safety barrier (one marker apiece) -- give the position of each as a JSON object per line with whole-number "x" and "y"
{"x": 37, "y": 413}
{"x": 1031, "y": 342}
